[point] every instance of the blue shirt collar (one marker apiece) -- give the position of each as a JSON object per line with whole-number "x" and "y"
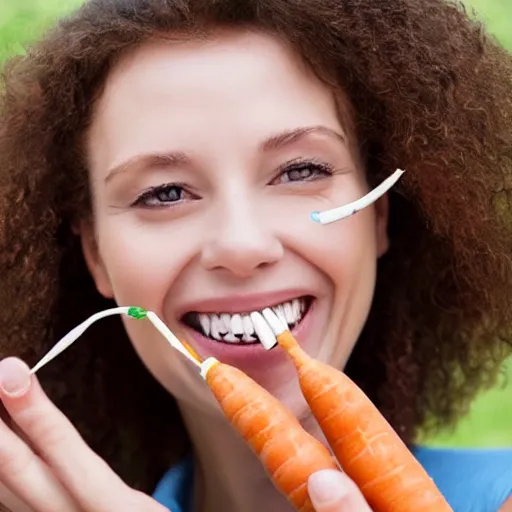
{"x": 472, "y": 480}
{"x": 176, "y": 489}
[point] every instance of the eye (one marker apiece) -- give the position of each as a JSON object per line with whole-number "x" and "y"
{"x": 162, "y": 196}
{"x": 303, "y": 171}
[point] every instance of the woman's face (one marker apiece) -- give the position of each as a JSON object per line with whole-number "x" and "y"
{"x": 206, "y": 159}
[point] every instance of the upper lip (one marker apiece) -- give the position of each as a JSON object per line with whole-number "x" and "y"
{"x": 241, "y": 303}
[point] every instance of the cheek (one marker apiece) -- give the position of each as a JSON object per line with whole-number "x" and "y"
{"x": 352, "y": 266}
{"x": 142, "y": 261}
{"x": 345, "y": 251}
{"x": 350, "y": 251}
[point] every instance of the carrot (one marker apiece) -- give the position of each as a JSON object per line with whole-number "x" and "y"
{"x": 288, "y": 453}
{"x": 365, "y": 444}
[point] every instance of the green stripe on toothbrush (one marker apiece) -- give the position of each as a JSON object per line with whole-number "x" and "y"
{"x": 138, "y": 313}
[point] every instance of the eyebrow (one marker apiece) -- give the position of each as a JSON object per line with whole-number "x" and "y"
{"x": 289, "y": 137}
{"x": 175, "y": 159}
{"x": 149, "y": 161}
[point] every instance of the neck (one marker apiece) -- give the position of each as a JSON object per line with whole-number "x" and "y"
{"x": 228, "y": 475}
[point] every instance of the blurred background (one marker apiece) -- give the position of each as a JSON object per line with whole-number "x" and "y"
{"x": 489, "y": 423}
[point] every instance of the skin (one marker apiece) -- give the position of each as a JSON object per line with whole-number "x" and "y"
{"x": 237, "y": 229}
{"x": 242, "y": 235}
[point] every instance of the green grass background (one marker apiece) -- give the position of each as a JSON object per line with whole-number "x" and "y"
{"x": 489, "y": 423}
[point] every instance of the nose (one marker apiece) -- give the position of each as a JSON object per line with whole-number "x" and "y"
{"x": 242, "y": 243}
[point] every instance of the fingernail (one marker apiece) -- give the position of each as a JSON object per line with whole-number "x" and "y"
{"x": 326, "y": 486}
{"x": 14, "y": 377}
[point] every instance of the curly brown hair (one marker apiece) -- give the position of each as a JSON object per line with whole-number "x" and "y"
{"x": 431, "y": 93}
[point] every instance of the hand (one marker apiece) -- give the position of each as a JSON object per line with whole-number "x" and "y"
{"x": 48, "y": 466}
{"x": 334, "y": 491}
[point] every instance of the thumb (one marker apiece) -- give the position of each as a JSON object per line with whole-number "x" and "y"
{"x": 333, "y": 491}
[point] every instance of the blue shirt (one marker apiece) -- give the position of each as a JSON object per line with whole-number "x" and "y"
{"x": 471, "y": 480}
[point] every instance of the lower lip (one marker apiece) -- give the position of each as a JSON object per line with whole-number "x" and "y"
{"x": 250, "y": 355}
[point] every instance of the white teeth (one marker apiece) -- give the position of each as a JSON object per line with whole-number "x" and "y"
{"x": 248, "y": 326}
{"x": 296, "y": 308}
{"x": 241, "y": 328}
{"x": 264, "y": 332}
{"x": 279, "y": 311}
{"x": 219, "y": 324}
{"x": 236, "y": 324}
{"x": 230, "y": 338}
{"x": 204, "y": 320}
{"x": 225, "y": 318}
{"x": 273, "y": 321}
{"x": 288, "y": 312}
{"x": 214, "y": 332}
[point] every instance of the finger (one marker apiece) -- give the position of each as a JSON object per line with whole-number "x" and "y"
{"x": 9, "y": 502}
{"x": 4, "y": 416}
{"x": 29, "y": 478}
{"x": 89, "y": 480}
{"x": 334, "y": 491}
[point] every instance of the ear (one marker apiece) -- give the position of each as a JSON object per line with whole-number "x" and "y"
{"x": 93, "y": 259}
{"x": 381, "y": 225}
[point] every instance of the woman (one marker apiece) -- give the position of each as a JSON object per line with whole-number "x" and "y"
{"x": 168, "y": 155}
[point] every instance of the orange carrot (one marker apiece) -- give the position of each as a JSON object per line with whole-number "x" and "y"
{"x": 288, "y": 453}
{"x": 365, "y": 444}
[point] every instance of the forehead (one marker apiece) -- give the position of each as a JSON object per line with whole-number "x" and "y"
{"x": 229, "y": 56}
{"x": 246, "y": 83}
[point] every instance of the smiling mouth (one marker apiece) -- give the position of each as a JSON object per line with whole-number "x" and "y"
{"x": 241, "y": 328}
